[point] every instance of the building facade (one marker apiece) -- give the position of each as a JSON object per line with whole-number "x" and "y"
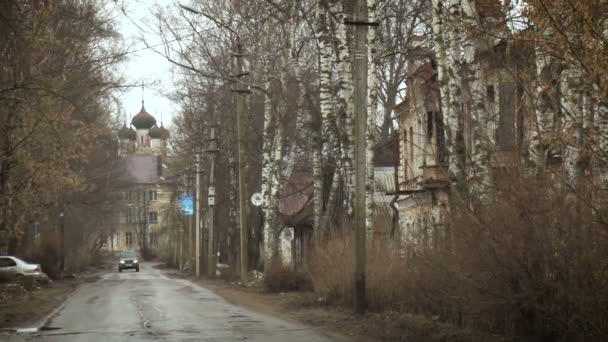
{"x": 148, "y": 187}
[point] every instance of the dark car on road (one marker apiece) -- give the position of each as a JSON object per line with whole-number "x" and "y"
{"x": 128, "y": 260}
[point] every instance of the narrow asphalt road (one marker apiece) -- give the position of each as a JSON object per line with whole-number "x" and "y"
{"x": 148, "y": 306}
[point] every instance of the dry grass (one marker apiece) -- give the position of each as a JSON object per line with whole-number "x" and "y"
{"x": 531, "y": 264}
{"x": 331, "y": 267}
{"x": 282, "y": 279}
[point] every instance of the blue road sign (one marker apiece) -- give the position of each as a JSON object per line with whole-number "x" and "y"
{"x": 187, "y": 204}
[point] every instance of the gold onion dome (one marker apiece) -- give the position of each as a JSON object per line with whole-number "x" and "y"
{"x": 143, "y": 119}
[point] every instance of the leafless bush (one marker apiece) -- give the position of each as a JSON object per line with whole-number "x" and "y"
{"x": 331, "y": 268}
{"x": 281, "y": 278}
{"x": 532, "y": 263}
{"x": 47, "y": 255}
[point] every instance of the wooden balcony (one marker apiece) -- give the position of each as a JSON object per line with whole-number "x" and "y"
{"x": 409, "y": 185}
{"x": 434, "y": 177}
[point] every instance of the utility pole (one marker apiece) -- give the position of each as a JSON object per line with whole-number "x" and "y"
{"x": 145, "y": 235}
{"x": 175, "y": 245}
{"x": 241, "y": 124}
{"x": 190, "y": 238}
{"x": 212, "y": 150}
{"x": 198, "y": 213}
{"x": 180, "y": 237}
{"x": 360, "y": 22}
{"x": 62, "y": 241}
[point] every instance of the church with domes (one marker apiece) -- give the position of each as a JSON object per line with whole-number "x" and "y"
{"x": 144, "y": 136}
{"x": 148, "y": 186}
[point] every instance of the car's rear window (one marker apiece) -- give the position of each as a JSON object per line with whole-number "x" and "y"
{"x": 127, "y": 255}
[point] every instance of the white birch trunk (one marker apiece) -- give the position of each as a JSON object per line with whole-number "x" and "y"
{"x": 602, "y": 129}
{"x": 438, "y": 29}
{"x": 267, "y": 177}
{"x": 345, "y": 103}
{"x": 321, "y": 149}
{"x": 570, "y": 121}
{"x": 331, "y": 201}
{"x": 454, "y": 113}
{"x": 480, "y": 118}
{"x": 372, "y": 103}
{"x": 542, "y": 135}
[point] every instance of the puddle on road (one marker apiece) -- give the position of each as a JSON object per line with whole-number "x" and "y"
{"x": 46, "y": 328}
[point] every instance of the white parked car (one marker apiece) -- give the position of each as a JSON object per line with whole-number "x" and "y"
{"x": 11, "y": 264}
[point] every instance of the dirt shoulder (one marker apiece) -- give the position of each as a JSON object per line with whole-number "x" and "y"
{"x": 339, "y": 323}
{"x": 20, "y": 307}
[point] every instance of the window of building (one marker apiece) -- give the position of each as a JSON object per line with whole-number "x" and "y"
{"x": 442, "y": 153}
{"x": 153, "y": 195}
{"x": 411, "y": 145}
{"x": 505, "y": 132}
{"x": 490, "y": 93}
{"x": 132, "y": 215}
{"x": 129, "y": 238}
{"x": 128, "y": 195}
{"x": 153, "y": 217}
{"x": 142, "y": 140}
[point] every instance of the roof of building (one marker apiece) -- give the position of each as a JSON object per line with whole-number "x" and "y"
{"x": 155, "y": 132}
{"x": 143, "y": 119}
{"x": 159, "y": 132}
{"x": 164, "y": 133}
{"x": 126, "y": 133}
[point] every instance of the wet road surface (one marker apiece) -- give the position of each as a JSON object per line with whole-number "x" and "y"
{"x": 148, "y": 306}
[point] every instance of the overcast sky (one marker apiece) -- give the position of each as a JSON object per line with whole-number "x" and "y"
{"x": 145, "y": 65}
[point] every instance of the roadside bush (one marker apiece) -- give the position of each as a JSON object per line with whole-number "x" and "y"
{"x": 47, "y": 255}
{"x": 530, "y": 264}
{"x": 331, "y": 270}
{"x": 282, "y": 279}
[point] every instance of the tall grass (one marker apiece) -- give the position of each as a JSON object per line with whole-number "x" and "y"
{"x": 531, "y": 263}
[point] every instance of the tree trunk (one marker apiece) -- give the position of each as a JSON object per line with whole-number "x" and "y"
{"x": 345, "y": 103}
{"x": 480, "y": 142}
{"x": 321, "y": 144}
{"x": 268, "y": 167}
{"x": 454, "y": 127}
{"x": 372, "y": 102}
{"x": 438, "y": 29}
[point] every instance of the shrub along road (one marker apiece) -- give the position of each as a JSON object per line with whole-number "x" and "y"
{"x": 145, "y": 306}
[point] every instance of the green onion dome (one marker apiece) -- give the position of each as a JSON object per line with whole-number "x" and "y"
{"x": 143, "y": 119}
